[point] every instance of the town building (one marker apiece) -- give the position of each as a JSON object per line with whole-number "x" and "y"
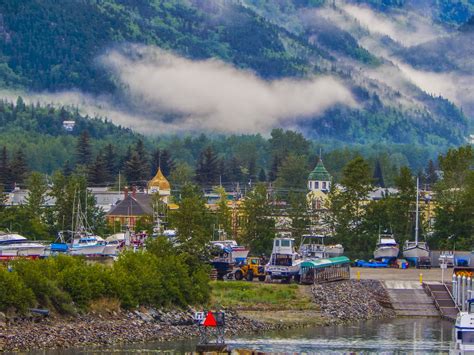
{"x": 319, "y": 185}
{"x": 139, "y": 205}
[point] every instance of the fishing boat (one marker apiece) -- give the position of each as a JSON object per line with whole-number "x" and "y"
{"x": 335, "y": 250}
{"x": 14, "y": 245}
{"x": 87, "y": 244}
{"x": 284, "y": 261}
{"x": 414, "y": 250}
{"x": 313, "y": 247}
{"x": 464, "y": 330}
{"x": 114, "y": 244}
{"x": 80, "y": 240}
{"x": 387, "y": 247}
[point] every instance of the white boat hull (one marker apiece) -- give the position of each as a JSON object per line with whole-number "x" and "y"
{"x": 386, "y": 252}
{"x": 333, "y": 251}
{"x": 25, "y": 250}
{"x": 415, "y": 252}
{"x": 111, "y": 250}
{"x": 87, "y": 250}
{"x": 279, "y": 271}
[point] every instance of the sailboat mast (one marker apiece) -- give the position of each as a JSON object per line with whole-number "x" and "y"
{"x": 416, "y": 218}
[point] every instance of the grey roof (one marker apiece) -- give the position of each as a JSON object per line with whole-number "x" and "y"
{"x": 138, "y": 205}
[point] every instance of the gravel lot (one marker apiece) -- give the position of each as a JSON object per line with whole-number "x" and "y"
{"x": 410, "y": 274}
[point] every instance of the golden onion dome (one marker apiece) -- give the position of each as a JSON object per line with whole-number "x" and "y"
{"x": 159, "y": 182}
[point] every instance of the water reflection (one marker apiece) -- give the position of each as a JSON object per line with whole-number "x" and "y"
{"x": 401, "y": 335}
{"x": 397, "y": 336}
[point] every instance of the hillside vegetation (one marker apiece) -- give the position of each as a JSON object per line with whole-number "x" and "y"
{"x": 55, "y": 46}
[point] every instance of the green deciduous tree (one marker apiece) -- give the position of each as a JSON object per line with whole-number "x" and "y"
{"x": 68, "y": 192}
{"x": 298, "y": 213}
{"x": 454, "y": 223}
{"x": 181, "y": 175}
{"x": 193, "y": 222}
{"x": 223, "y": 213}
{"x": 346, "y": 207}
{"x": 293, "y": 172}
{"x": 258, "y": 226}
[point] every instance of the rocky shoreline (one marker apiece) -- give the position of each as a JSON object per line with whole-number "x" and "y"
{"x": 340, "y": 302}
{"x": 352, "y": 300}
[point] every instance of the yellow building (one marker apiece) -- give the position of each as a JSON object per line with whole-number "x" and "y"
{"x": 319, "y": 184}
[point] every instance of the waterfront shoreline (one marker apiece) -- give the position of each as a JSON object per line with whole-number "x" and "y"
{"x": 338, "y": 302}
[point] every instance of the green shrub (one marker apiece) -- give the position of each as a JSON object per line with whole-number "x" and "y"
{"x": 13, "y": 292}
{"x": 160, "y": 277}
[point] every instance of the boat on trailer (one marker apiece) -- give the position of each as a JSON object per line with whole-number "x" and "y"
{"x": 387, "y": 248}
{"x": 284, "y": 261}
{"x": 415, "y": 250}
{"x": 313, "y": 247}
{"x": 13, "y": 245}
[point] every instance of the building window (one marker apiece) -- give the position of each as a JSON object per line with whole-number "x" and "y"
{"x": 324, "y": 185}
{"x": 310, "y": 185}
{"x": 316, "y": 184}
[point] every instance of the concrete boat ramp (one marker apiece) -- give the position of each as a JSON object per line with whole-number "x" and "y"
{"x": 409, "y": 298}
{"x": 441, "y": 295}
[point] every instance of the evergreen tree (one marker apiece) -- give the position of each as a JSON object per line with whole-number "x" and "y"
{"x": 83, "y": 149}
{"x": 252, "y": 170}
{"x": 98, "y": 173}
{"x": 5, "y": 173}
{"x": 134, "y": 170}
{"x": 431, "y": 175}
{"x": 67, "y": 168}
{"x": 378, "y": 175}
{"x": 37, "y": 187}
{"x": 126, "y": 158}
{"x": 207, "y": 173}
{"x": 262, "y": 177}
{"x": 235, "y": 170}
{"x": 155, "y": 161}
{"x": 18, "y": 167}
{"x": 167, "y": 162}
{"x": 273, "y": 174}
{"x": 162, "y": 159}
{"x": 140, "y": 149}
{"x": 110, "y": 156}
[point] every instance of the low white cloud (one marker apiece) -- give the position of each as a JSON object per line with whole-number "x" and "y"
{"x": 213, "y": 96}
{"x": 199, "y": 96}
{"x": 406, "y": 29}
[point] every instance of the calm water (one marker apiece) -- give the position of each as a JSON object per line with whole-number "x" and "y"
{"x": 398, "y": 336}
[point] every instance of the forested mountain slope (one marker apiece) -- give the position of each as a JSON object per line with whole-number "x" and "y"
{"x": 56, "y": 46}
